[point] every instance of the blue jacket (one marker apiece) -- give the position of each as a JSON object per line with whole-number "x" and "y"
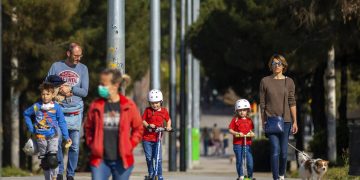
{"x": 46, "y": 121}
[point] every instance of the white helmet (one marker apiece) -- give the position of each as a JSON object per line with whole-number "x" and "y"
{"x": 31, "y": 147}
{"x": 155, "y": 96}
{"x": 242, "y": 104}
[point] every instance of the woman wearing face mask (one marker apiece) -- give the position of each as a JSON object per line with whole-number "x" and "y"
{"x": 277, "y": 99}
{"x": 113, "y": 128}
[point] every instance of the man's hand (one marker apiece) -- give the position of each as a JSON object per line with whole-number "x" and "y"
{"x": 65, "y": 90}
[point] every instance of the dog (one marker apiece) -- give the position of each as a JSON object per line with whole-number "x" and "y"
{"x": 311, "y": 169}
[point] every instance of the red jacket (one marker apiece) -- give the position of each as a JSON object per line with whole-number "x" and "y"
{"x": 130, "y": 130}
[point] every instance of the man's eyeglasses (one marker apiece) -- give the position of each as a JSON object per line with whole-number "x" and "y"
{"x": 77, "y": 56}
{"x": 276, "y": 63}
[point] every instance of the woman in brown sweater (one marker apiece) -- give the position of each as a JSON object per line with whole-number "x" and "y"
{"x": 273, "y": 88}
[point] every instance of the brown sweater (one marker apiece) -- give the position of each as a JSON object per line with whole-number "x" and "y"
{"x": 272, "y": 97}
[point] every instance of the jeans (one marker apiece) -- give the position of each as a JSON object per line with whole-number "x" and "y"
{"x": 107, "y": 168}
{"x": 73, "y": 154}
{"x": 150, "y": 150}
{"x": 239, "y": 151}
{"x": 279, "y": 147}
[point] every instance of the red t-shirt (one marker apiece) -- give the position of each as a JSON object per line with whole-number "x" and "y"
{"x": 154, "y": 117}
{"x": 243, "y": 125}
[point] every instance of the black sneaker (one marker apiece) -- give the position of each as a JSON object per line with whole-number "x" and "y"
{"x": 59, "y": 177}
{"x": 69, "y": 178}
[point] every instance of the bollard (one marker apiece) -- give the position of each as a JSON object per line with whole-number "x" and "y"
{"x": 354, "y": 147}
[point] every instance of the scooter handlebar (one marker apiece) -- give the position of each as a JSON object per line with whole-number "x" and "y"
{"x": 161, "y": 129}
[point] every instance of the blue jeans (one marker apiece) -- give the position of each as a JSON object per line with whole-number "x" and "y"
{"x": 279, "y": 147}
{"x": 73, "y": 154}
{"x": 239, "y": 151}
{"x": 107, "y": 168}
{"x": 150, "y": 150}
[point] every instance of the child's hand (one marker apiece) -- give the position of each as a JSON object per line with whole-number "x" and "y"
{"x": 68, "y": 143}
{"x": 168, "y": 128}
{"x": 152, "y": 125}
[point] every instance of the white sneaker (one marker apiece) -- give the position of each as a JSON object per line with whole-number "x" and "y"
{"x": 281, "y": 177}
{"x": 241, "y": 178}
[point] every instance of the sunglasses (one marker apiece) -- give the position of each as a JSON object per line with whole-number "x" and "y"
{"x": 276, "y": 64}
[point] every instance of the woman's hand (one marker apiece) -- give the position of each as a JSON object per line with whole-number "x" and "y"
{"x": 294, "y": 128}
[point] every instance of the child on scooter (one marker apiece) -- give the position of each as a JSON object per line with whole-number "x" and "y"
{"x": 153, "y": 117}
{"x": 241, "y": 126}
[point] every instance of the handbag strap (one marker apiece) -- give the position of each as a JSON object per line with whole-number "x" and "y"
{"x": 283, "y": 115}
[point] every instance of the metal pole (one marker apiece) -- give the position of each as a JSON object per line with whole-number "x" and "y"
{"x": 116, "y": 35}
{"x": 196, "y": 98}
{"x": 1, "y": 129}
{"x": 155, "y": 44}
{"x": 172, "y": 139}
{"x": 189, "y": 114}
{"x": 182, "y": 90}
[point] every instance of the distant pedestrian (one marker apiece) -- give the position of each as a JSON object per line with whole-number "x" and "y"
{"x": 206, "y": 138}
{"x": 216, "y": 139}
{"x": 225, "y": 143}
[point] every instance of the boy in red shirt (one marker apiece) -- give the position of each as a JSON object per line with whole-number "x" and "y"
{"x": 240, "y": 126}
{"x": 153, "y": 117}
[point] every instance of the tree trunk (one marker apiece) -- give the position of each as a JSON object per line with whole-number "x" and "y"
{"x": 15, "y": 121}
{"x": 330, "y": 91}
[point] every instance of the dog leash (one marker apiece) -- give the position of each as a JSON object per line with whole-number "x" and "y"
{"x": 302, "y": 152}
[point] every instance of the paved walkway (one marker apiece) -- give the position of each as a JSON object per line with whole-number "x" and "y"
{"x": 210, "y": 168}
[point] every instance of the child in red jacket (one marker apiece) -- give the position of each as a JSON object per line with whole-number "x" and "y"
{"x": 153, "y": 117}
{"x": 241, "y": 125}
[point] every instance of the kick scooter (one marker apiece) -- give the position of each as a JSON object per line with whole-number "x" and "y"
{"x": 160, "y": 131}
{"x": 244, "y": 164}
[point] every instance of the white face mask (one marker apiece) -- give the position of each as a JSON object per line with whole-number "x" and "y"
{"x": 47, "y": 106}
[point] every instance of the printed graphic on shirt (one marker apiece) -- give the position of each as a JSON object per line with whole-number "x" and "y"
{"x": 44, "y": 121}
{"x": 111, "y": 120}
{"x": 71, "y": 77}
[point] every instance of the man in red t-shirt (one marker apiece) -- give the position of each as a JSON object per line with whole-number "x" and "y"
{"x": 153, "y": 117}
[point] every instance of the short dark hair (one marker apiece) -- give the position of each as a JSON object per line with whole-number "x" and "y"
{"x": 116, "y": 75}
{"x": 47, "y": 86}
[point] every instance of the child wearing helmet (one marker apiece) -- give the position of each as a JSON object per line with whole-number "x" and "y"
{"x": 241, "y": 125}
{"x": 47, "y": 117}
{"x": 153, "y": 117}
